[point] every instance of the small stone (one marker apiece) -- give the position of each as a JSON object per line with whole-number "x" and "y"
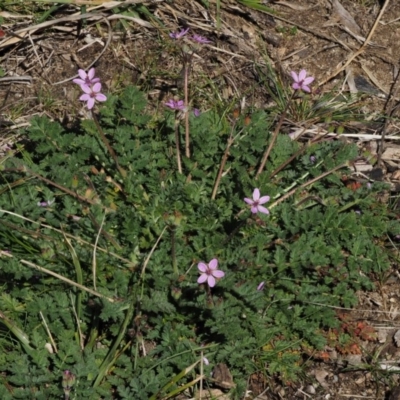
{"x": 310, "y": 389}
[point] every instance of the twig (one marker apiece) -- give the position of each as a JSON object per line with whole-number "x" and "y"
{"x": 71, "y": 193}
{"x": 361, "y": 49}
{"x": 388, "y": 110}
{"x": 62, "y": 188}
{"x": 310, "y": 182}
{"x": 320, "y": 35}
{"x": 298, "y": 152}
{"x": 98, "y": 57}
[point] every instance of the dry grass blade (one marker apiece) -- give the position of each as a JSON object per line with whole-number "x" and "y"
{"x": 361, "y": 49}
{"x": 77, "y": 239}
{"x": 66, "y": 280}
{"x": 24, "y": 32}
{"x": 21, "y": 79}
{"x": 53, "y": 343}
{"x": 310, "y": 182}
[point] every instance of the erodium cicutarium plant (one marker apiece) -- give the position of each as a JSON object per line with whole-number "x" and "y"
{"x": 102, "y": 232}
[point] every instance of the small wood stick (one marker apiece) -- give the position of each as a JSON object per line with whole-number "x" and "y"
{"x": 361, "y": 49}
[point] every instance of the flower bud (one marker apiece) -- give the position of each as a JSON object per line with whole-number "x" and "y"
{"x": 68, "y": 381}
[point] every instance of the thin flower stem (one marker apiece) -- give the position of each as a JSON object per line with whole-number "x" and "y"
{"x": 108, "y": 146}
{"x": 146, "y": 261}
{"x": 223, "y": 162}
{"x": 209, "y": 295}
{"x": 173, "y": 251}
{"x": 186, "y": 92}
{"x": 201, "y": 374}
{"x": 177, "y": 143}
{"x": 274, "y": 136}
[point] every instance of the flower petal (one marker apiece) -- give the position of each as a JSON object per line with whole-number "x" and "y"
{"x": 308, "y": 80}
{"x": 211, "y": 281}
{"x": 202, "y": 267}
{"x": 90, "y": 103}
{"x": 101, "y": 97}
{"x": 91, "y": 73}
{"x": 306, "y": 89}
{"x": 296, "y": 86}
{"x": 78, "y": 81}
{"x": 256, "y": 194}
{"x": 302, "y": 75}
{"x": 84, "y": 97}
{"x": 263, "y": 210}
{"x": 82, "y": 74}
{"x": 218, "y": 273}
{"x": 294, "y": 76}
{"x": 248, "y": 201}
{"x": 202, "y": 278}
{"x": 86, "y": 89}
{"x": 261, "y": 286}
{"x": 254, "y": 209}
{"x": 213, "y": 264}
{"x": 263, "y": 200}
{"x": 96, "y": 87}
{"x": 184, "y": 32}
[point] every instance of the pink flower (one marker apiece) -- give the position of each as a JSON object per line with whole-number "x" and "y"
{"x": 301, "y": 81}
{"x": 256, "y": 202}
{"x": 209, "y": 272}
{"x": 46, "y": 203}
{"x": 87, "y": 79}
{"x": 92, "y": 94}
{"x": 261, "y": 286}
{"x": 178, "y": 35}
{"x": 68, "y": 382}
{"x": 175, "y": 104}
{"x": 200, "y": 39}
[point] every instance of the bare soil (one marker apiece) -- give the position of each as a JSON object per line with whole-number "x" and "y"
{"x": 314, "y": 34}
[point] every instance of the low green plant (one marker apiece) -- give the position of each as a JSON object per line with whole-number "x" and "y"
{"x": 102, "y": 238}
